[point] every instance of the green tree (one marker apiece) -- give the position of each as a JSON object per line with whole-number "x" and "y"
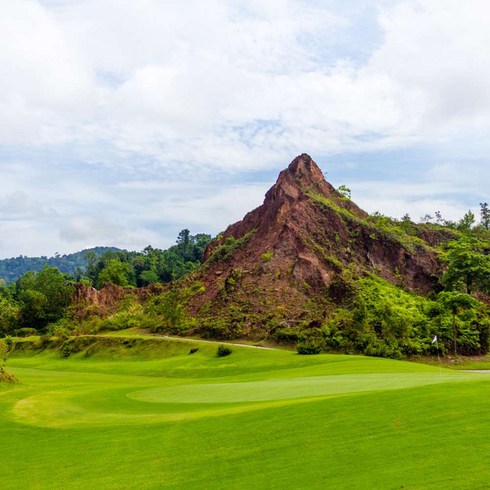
{"x": 9, "y": 316}
{"x": 3, "y": 353}
{"x": 151, "y": 265}
{"x": 345, "y": 191}
{"x": 149, "y": 277}
{"x": 43, "y": 297}
{"x": 33, "y": 309}
{"x": 466, "y": 222}
{"x": 168, "y": 309}
{"x": 184, "y": 241}
{"x": 484, "y": 215}
{"x": 114, "y": 272}
{"x": 456, "y": 303}
{"x": 468, "y": 265}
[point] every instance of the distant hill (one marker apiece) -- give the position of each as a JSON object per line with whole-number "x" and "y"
{"x": 12, "y": 269}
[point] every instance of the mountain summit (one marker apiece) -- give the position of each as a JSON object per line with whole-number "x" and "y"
{"x": 287, "y": 256}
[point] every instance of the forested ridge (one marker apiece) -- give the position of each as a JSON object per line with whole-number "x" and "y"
{"x": 74, "y": 264}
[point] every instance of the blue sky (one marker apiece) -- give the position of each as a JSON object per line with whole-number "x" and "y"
{"x": 124, "y": 122}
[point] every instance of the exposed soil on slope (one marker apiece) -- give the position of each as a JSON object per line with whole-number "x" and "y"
{"x": 293, "y": 247}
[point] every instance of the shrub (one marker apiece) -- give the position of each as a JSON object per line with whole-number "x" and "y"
{"x": 223, "y": 328}
{"x": 308, "y": 347}
{"x": 66, "y": 348}
{"x": 226, "y": 250}
{"x": 44, "y": 340}
{"x": 286, "y": 334}
{"x": 223, "y": 351}
{"x": 267, "y": 256}
{"x": 122, "y": 320}
{"x": 6, "y": 377}
{"x": 233, "y": 280}
{"x": 167, "y": 308}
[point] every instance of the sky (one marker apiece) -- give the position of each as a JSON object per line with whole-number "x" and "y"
{"x": 123, "y": 122}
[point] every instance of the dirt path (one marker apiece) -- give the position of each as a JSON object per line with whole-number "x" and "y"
{"x": 216, "y": 342}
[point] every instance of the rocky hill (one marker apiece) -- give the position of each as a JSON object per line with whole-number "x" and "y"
{"x": 310, "y": 267}
{"x": 285, "y": 259}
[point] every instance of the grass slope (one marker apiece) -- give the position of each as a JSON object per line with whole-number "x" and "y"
{"x": 153, "y": 416}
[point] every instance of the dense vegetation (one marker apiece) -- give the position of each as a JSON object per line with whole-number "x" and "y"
{"x": 378, "y": 318}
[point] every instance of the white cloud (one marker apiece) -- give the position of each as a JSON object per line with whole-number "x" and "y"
{"x": 43, "y": 79}
{"x": 436, "y": 54}
{"x": 152, "y": 77}
{"x": 19, "y": 204}
{"x": 396, "y": 199}
{"x": 112, "y": 101}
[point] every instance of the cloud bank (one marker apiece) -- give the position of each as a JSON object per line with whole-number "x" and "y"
{"x": 123, "y": 121}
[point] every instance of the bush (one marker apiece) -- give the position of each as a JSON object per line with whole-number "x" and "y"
{"x": 67, "y": 348}
{"x": 286, "y": 334}
{"x": 221, "y": 328}
{"x": 223, "y": 351}
{"x": 267, "y": 256}
{"x": 226, "y": 250}
{"x": 233, "y": 280}
{"x": 308, "y": 348}
{"x": 44, "y": 340}
{"x": 167, "y": 308}
{"x": 6, "y": 377}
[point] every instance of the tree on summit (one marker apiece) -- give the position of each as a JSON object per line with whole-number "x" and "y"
{"x": 485, "y": 215}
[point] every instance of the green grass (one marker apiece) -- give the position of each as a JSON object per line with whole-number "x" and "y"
{"x": 150, "y": 415}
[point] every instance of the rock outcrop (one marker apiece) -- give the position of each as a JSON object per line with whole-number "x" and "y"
{"x": 283, "y": 256}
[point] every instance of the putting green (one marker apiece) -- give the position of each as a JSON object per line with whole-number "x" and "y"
{"x": 291, "y": 388}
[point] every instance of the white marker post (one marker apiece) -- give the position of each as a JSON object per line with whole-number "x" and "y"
{"x": 435, "y": 341}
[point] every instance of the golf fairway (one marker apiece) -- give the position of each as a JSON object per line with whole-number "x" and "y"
{"x": 161, "y": 418}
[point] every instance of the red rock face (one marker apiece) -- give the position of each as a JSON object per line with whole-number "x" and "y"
{"x": 297, "y": 246}
{"x": 89, "y": 301}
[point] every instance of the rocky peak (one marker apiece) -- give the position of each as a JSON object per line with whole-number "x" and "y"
{"x": 305, "y": 169}
{"x": 301, "y": 178}
{"x": 301, "y": 175}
